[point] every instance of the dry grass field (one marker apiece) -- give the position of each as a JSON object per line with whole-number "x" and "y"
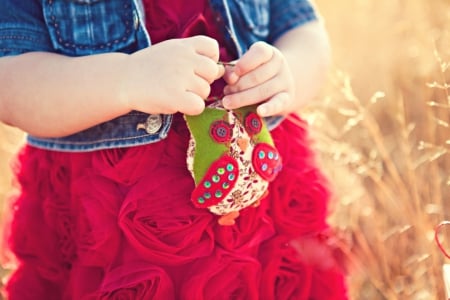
{"x": 382, "y": 131}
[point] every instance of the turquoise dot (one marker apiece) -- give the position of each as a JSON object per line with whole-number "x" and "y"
{"x": 201, "y": 200}
{"x": 216, "y": 178}
{"x": 207, "y": 184}
{"x": 221, "y": 171}
{"x": 261, "y": 154}
{"x": 264, "y": 167}
{"x": 218, "y": 194}
{"x": 230, "y": 167}
{"x": 270, "y": 155}
{"x": 207, "y": 195}
{"x": 231, "y": 177}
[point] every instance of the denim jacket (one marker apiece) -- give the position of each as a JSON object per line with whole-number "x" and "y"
{"x": 85, "y": 27}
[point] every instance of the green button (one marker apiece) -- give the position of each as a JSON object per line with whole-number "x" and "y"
{"x": 216, "y": 178}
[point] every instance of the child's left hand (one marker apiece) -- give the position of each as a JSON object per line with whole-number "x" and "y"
{"x": 261, "y": 75}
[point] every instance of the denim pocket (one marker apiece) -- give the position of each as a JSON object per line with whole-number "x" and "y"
{"x": 83, "y": 27}
{"x": 255, "y": 14}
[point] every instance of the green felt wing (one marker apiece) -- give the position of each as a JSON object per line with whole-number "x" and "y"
{"x": 264, "y": 135}
{"x": 206, "y": 149}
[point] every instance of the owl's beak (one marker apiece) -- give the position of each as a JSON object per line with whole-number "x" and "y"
{"x": 242, "y": 143}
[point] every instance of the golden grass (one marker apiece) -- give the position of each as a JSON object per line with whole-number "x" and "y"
{"x": 10, "y": 141}
{"x": 382, "y": 132}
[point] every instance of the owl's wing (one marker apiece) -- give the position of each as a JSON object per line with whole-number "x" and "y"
{"x": 215, "y": 172}
{"x": 266, "y": 161}
{"x": 254, "y": 124}
{"x": 265, "y": 157}
{"x": 217, "y": 183}
{"x": 206, "y": 150}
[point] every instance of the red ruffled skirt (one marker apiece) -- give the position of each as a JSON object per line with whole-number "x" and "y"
{"x": 119, "y": 224}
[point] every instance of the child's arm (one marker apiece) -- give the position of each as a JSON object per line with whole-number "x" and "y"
{"x": 283, "y": 77}
{"x": 51, "y": 95}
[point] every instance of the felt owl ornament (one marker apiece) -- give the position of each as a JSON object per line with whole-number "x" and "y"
{"x": 232, "y": 158}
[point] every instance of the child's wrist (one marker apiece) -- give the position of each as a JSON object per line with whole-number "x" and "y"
{"x": 123, "y": 83}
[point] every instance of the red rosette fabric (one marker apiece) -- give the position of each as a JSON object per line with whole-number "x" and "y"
{"x": 291, "y": 271}
{"x": 28, "y": 283}
{"x": 222, "y": 276}
{"x": 43, "y": 261}
{"x": 135, "y": 280}
{"x": 253, "y": 226}
{"x": 119, "y": 224}
{"x": 300, "y": 193}
{"x": 284, "y": 275}
{"x": 162, "y": 224}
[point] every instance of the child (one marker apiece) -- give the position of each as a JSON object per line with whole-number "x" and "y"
{"x": 101, "y": 88}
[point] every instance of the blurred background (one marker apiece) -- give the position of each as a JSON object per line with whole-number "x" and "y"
{"x": 382, "y": 132}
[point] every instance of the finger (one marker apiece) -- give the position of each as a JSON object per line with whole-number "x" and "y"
{"x": 206, "y": 46}
{"x": 277, "y": 105}
{"x": 253, "y": 95}
{"x": 256, "y": 77}
{"x": 207, "y": 69}
{"x": 230, "y": 76}
{"x": 258, "y": 54}
{"x": 191, "y": 104}
{"x": 199, "y": 86}
{"x": 221, "y": 72}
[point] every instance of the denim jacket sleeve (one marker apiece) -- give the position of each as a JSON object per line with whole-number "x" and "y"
{"x": 22, "y": 29}
{"x": 249, "y": 21}
{"x": 286, "y": 15}
{"x": 72, "y": 28}
{"x": 66, "y": 27}
{"x": 76, "y": 28}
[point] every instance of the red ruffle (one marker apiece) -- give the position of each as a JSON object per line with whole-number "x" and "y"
{"x": 119, "y": 224}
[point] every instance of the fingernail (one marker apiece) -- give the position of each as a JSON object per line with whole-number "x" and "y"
{"x": 233, "y": 78}
{"x": 220, "y": 71}
{"x": 226, "y": 102}
{"x": 262, "y": 111}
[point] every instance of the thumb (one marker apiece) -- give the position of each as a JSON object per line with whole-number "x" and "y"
{"x": 220, "y": 71}
{"x": 230, "y": 75}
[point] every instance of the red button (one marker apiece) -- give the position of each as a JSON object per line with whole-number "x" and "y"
{"x": 220, "y": 131}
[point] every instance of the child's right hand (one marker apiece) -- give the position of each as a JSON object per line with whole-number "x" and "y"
{"x": 172, "y": 76}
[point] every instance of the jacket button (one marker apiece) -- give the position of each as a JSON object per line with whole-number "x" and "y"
{"x": 151, "y": 125}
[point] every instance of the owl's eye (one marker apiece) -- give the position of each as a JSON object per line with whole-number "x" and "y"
{"x": 220, "y": 131}
{"x": 253, "y": 123}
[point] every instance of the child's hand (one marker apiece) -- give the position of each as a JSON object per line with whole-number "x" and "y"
{"x": 172, "y": 76}
{"x": 263, "y": 76}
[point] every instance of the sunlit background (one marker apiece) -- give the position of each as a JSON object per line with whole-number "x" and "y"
{"x": 381, "y": 129}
